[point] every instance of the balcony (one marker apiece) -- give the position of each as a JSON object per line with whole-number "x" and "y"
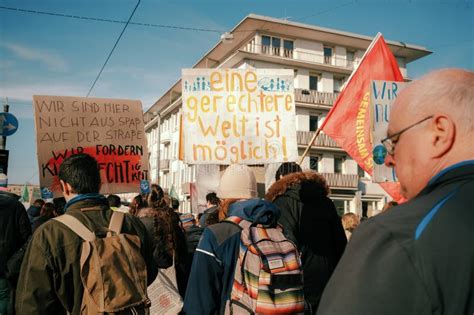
{"x": 299, "y": 55}
{"x": 315, "y": 97}
{"x": 165, "y": 164}
{"x": 341, "y": 181}
{"x": 323, "y": 140}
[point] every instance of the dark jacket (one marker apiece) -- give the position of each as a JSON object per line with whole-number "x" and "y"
{"x": 309, "y": 219}
{"x": 37, "y": 222}
{"x": 15, "y": 227}
{"x": 164, "y": 229}
{"x": 50, "y": 281}
{"x": 193, "y": 235}
{"x": 416, "y": 258}
{"x": 33, "y": 213}
{"x": 212, "y": 272}
{"x": 206, "y": 213}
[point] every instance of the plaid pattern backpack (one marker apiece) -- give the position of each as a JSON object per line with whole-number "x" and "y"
{"x": 268, "y": 276}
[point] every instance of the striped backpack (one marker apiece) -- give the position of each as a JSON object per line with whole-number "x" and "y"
{"x": 268, "y": 277}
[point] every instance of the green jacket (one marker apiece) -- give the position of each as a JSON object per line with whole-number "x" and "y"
{"x": 50, "y": 280}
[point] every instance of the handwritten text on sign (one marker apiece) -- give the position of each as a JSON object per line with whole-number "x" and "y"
{"x": 238, "y": 116}
{"x": 110, "y": 130}
{"x": 383, "y": 94}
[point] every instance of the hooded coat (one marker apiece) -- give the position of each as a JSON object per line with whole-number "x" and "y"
{"x": 15, "y": 227}
{"x": 164, "y": 230}
{"x": 309, "y": 219}
{"x": 212, "y": 272}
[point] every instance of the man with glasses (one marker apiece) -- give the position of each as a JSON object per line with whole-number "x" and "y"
{"x": 418, "y": 258}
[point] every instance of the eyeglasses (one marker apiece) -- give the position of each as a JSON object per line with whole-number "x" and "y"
{"x": 390, "y": 142}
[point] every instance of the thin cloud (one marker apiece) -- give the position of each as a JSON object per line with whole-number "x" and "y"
{"x": 53, "y": 61}
{"x": 26, "y": 92}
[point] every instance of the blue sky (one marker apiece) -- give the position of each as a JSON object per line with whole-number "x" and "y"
{"x": 51, "y": 55}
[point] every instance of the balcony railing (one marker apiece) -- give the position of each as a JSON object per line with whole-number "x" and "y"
{"x": 323, "y": 140}
{"x": 336, "y": 180}
{"x": 288, "y": 53}
{"x": 314, "y": 57}
{"x": 350, "y": 63}
{"x": 164, "y": 164}
{"x": 315, "y": 97}
{"x": 328, "y": 60}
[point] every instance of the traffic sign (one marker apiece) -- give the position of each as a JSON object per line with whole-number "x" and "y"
{"x": 8, "y": 124}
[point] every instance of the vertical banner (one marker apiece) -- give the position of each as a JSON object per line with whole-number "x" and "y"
{"x": 111, "y": 130}
{"x": 244, "y": 116}
{"x": 382, "y": 96}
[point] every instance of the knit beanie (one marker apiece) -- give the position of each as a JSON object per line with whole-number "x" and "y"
{"x": 238, "y": 181}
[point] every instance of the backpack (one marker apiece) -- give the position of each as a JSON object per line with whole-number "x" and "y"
{"x": 268, "y": 277}
{"x": 113, "y": 271}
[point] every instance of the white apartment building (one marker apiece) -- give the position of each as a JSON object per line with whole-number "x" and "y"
{"x": 322, "y": 60}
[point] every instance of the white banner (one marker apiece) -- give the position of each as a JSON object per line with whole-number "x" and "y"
{"x": 382, "y": 96}
{"x": 244, "y": 116}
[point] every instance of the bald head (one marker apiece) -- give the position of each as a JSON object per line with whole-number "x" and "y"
{"x": 448, "y": 91}
{"x": 439, "y": 107}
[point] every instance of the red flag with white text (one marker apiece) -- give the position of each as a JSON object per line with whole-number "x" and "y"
{"x": 348, "y": 122}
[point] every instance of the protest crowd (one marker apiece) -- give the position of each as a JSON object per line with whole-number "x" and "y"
{"x": 287, "y": 252}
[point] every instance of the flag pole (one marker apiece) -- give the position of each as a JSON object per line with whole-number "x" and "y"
{"x": 347, "y": 83}
{"x": 316, "y": 134}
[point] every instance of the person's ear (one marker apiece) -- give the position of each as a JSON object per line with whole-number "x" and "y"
{"x": 66, "y": 188}
{"x": 443, "y": 134}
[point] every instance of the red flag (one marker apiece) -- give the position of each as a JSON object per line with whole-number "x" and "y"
{"x": 348, "y": 122}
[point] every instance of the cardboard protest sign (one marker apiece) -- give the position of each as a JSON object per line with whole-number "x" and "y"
{"x": 111, "y": 130}
{"x": 382, "y": 96}
{"x": 244, "y": 116}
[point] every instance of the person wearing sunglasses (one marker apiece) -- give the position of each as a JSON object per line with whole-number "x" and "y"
{"x": 418, "y": 258}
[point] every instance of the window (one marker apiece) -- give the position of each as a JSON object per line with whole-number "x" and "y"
{"x": 313, "y": 163}
{"x": 265, "y": 44}
{"x": 313, "y": 82}
{"x": 313, "y": 123}
{"x": 350, "y": 58}
{"x": 166, "y": 152}
{"x": 338, "y": 83}
{"x": 339, "y": 204}
{"x": 288, "y": 48}
{"x": 327, "y": 55}
{"x": 338, "y": 161}
{"x": 276, "y": 43}
{"x": 360, "y": 171}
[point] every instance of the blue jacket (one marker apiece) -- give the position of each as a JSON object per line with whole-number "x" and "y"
{"x": 212, "y": 272}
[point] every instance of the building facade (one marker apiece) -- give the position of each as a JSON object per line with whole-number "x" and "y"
{"x": 322, "y": 60}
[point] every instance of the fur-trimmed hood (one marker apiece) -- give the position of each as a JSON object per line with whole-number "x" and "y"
{"x": 296, "y": 179}
{"x": 147, "y": 213}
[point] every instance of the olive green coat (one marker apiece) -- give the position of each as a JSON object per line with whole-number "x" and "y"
{"x": 50, "y": 280}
